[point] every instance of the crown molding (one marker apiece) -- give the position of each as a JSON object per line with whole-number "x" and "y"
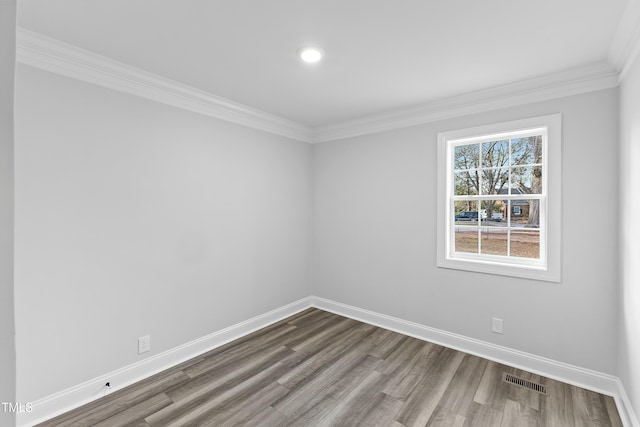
{"x": 61, "y": 58}
{"x": 48, "y": 54}
{"x": 626, "y": 42}
{"x": 567, "y": 83}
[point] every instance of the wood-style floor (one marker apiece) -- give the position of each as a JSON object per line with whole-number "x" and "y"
{"x": 320, "y": 369}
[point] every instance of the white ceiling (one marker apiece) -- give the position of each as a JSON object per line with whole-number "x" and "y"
{"x": 381, "y": 55}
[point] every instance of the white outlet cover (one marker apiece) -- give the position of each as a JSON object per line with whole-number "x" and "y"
{"x": 144, "y": 344}
{"x": 496, "y": 325}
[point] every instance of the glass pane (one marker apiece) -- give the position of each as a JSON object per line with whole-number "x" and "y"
{"x": 526, "y": 151}
{"x": 495, "y": 154}
{"x": 466, "y": 156}
{"x": 493, "y": 231}
{"x": 525, "y": 242}
{"x": 525, "y": 214}
{"x": 493, "y": 239}
{"x": 494, "y": 181}
{"x": 466, "y": 183}
{"x": 514, "y": 188}
{"x": 493, "y": 211}
{"x": 466, "y": 211}
{"x": 466, "y": 239}
{"x": 466, "y": 226}
{"x": 527, "y": 179}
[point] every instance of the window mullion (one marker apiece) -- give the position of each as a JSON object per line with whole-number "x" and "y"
{"x": 508, "y": 228}
{"x": 462, "y": 198}
{"x": 479, "y": 171}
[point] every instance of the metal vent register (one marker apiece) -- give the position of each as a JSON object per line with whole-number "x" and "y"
{"x": 524, "y": 383}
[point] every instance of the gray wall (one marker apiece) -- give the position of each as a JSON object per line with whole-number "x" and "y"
{"x": 374, "y": 239}
{"x": 629, "y": 347}
{"x": 135, "y": 218}
{"x": 7, "y": 327}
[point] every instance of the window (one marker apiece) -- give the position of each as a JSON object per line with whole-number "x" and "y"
{"x": 499, "y": 198}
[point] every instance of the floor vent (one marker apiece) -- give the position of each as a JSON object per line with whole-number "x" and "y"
{"x": 526, "y": 384}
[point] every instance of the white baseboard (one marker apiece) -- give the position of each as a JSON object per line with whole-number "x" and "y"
{"x": 66, "y": 400}
{"x": 629, "y": 417}
{"x": 71, "y": 398}
{"x": 571, "y": 374}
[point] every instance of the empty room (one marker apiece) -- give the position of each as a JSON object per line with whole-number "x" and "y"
{"x": 319, "y": 213}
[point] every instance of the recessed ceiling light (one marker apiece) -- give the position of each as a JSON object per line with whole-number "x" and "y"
{"x": 310, "y": 54}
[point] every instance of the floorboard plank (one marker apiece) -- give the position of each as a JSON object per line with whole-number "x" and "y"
{"x": 423, "y": 401}
{"x": 357, "y": 407}
{"x": 334, "y": 382}
{"x": 556, "y": 408}
{"x": 612, "y": 411}
{"x": 492, "y": 390}
{"x": 405, "y": 380}
{"x": 458, "y": 397}
{"x": 242, "y": 409}
{"x": 589, "y": 408}
{"x": 486, "y": 416}
{"x": 197, "y": 411}
{"x": 400, "y": 355}
{"x": 443, "y": 417}
{"x": 135, "y": 414}
{"x": 228, "y": 376}
{"x": 323, "y": 358}
{"x": 519, "y": 414}
{"x": 268, "y": 417}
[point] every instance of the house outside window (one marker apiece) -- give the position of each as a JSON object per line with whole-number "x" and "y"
{"x": 499, "y": 198}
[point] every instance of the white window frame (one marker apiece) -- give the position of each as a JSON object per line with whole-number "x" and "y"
{"x": 547, "y": 268}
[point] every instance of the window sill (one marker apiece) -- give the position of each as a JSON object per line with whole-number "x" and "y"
{"x": 502, "y": 269}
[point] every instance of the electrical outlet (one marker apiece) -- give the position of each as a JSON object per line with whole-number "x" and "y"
{"x": 496, "y": 325}
{"x": 144, "y": 344}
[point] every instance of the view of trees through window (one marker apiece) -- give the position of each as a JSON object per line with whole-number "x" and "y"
{"x": 497, "y": 191}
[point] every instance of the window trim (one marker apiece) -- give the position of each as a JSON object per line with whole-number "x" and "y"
{"x": 550, "y": 244}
